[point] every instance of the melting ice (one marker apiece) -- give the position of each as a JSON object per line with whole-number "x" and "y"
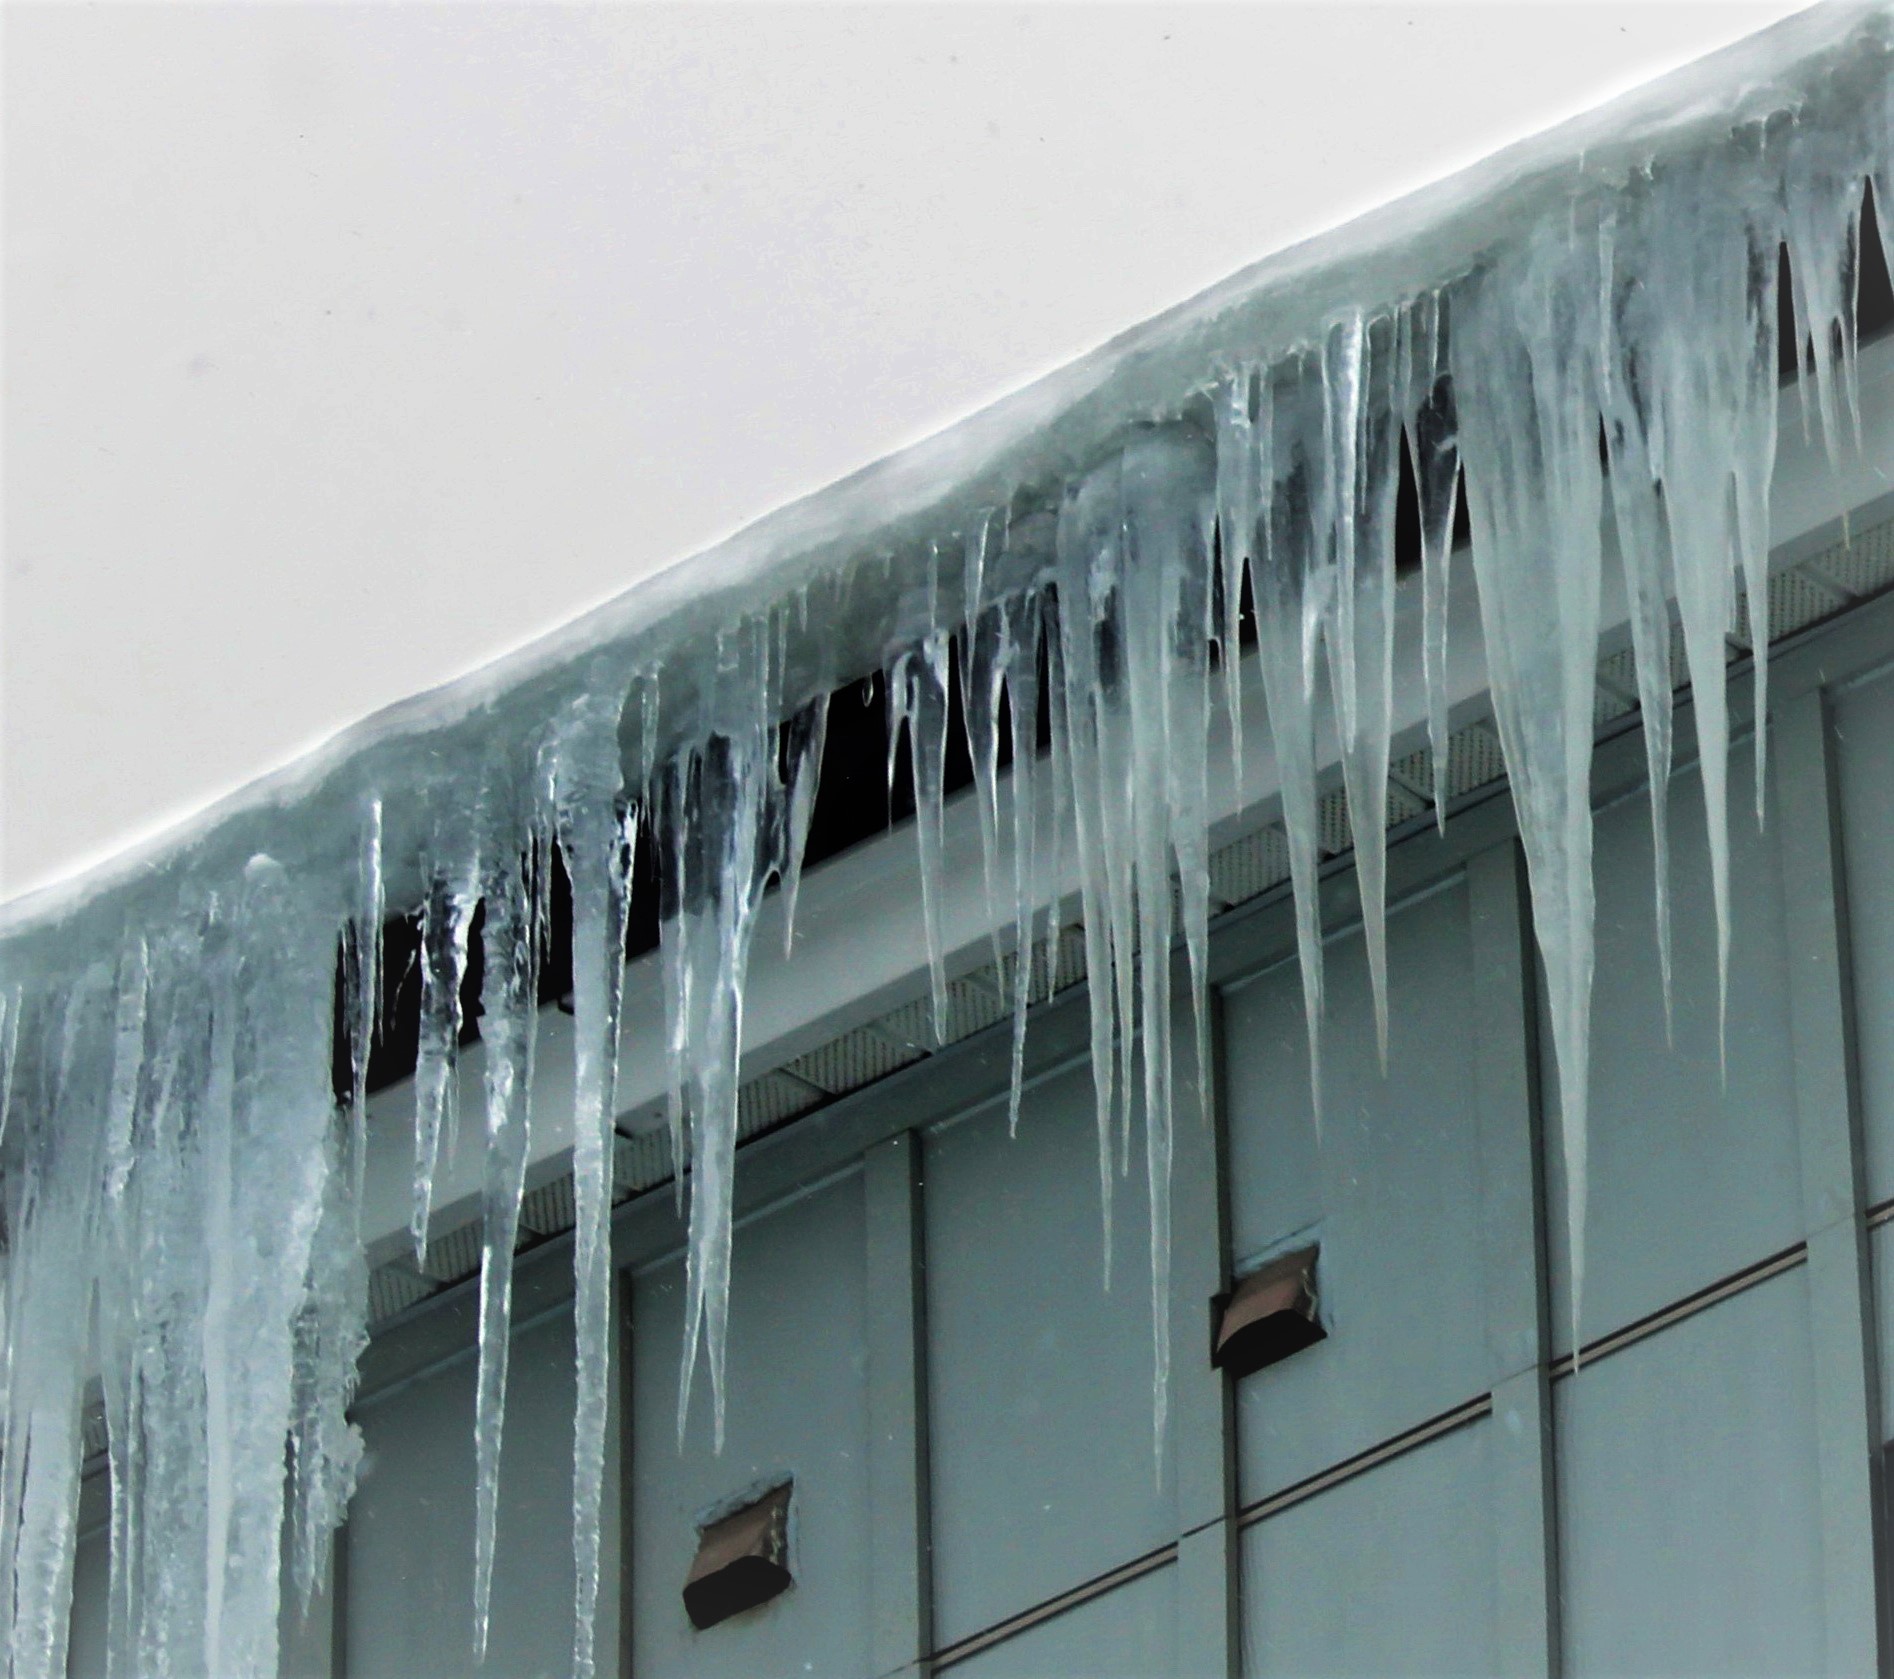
{"x": 181, "y": 1162}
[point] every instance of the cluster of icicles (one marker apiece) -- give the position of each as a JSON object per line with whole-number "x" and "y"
{"x": 182, "y": 1190}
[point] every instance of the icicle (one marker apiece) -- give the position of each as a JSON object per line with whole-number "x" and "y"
{"x": 718, "y": 795}
{"x": 1237, "y": 491}
{"x": 917, "y": 701}
{"x": 1753, "y": 464}
{"x": 1075, "y": 760}
{"x": 365, "y": 946}
{"x": 446, "y": 916}
{"x": 1025, "y": 631}
{"x": 722, "y": 821}
{"x": 128, "y": 1060}
{"x": 1363, "y": 376}
{"x": 268, "y": 1107}
{"x": 973, "y": 582}
{"x": 1289, "y": 585}
{"x": 1822, "y": 200}
{"x": 53, "y": 1213}
{"x": 1643, "y": 547}
{"x": 1702, "y": 359}
{"x": 1134, "y": 568}
{"x": 807, "y": 732}
{"x": 235, "y": 1219}
{"x": 1436, "y": 455}
{"x": 153, "y": 1388}
{"x": 514, "y": 887}
{"x": 1525, "y": 370}
{"x": 1819, "y": 220}
{"x": 983, "y": 677}
{"x": 595, "y": 831}
{"x": 11, "y": 1008}
{"x": 331, "y": 1330}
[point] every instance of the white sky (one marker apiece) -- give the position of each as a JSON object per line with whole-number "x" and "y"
{"x": 346, "y": 348}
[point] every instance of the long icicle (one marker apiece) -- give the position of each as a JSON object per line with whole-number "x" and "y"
{"x": 595, "y": 827}
{"x": 509, "y": 999}
{"x": 1134, "y": 576}
{"x": 1637, "y": 505}
{"x": 1288, "y": 574}
{"x": 1025, "y": 632}
{"x": 1436, "y": 458}
{"x": 1365, "y": 380}
{"x": 1525, "y": 369}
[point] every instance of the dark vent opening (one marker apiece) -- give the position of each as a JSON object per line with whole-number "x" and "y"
{"x": 742, "y": 1560}
{"x": 1267, "y": 1316}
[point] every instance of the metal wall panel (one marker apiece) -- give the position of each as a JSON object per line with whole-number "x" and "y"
{"x": 1697, "y": 1470}
{"x": 798, "y": 1405}
{"x": 1864, "y": 759}
{"x": 1039, "y": 1380}
{"x": 410, "y": 1535}
{"x": 1692, "y": 1174}
{"x": 1881, "y": 1257}
{"x": 1393, "y": 1191}
{"x": 1689, "y": 1529}
{"x": 86, "y": 1639}
{"x": 1128, "y": 1633}
{"x": 1391, "y": 1572}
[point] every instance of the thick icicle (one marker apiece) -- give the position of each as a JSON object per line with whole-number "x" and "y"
{"x": 1695, "y": 347}
{"x": 716, "y": 808}
{"x": 1134, "y": 569}
{"x": 1821, "y": 199}
{"x": 269, "y": 1108}
{"x": 331, "y": 1332}
{"x": 1364, "y": 376}
{"x": 52, "y": 1217}
{"x": 1525, "y": 369}
{"x": 509, "y": 997}
{"x": 594, "y": 827}
{"x": 1436, "y": 458}
{"x": 723, "y": 816}
{"x": 1290, "y": 584}
{"x": 1237, "y": 491}
{"x": 236, "y": 1207}
{"x": 1644, "y": 550}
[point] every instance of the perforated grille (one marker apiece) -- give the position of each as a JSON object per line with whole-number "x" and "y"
{"x": 1860, "y": 567}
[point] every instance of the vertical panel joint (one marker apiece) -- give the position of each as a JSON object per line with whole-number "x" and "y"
{"x": 900, "y": 1596}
